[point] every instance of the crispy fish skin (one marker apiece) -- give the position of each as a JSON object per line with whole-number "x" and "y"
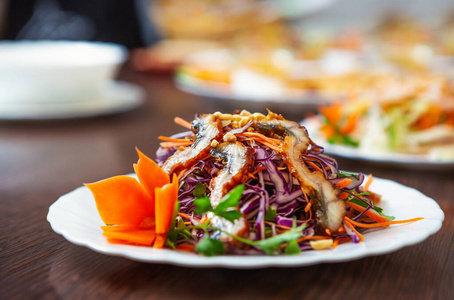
{"x": 329, "y": 208}
{"x": 206, "y": 128}
{"x": 238, "y": 161}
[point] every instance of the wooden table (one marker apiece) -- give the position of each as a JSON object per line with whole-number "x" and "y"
{"x": 39, "y": 161}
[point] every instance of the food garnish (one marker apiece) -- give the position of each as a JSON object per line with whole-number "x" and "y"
{"x": 241, "y": 184}
{"x": 413, "y": 117}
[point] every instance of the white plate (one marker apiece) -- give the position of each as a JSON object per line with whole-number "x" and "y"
{"x": 116, "y": 97}
{"x": 408, "y": 161}
{"x": 224, "y": 91}
{"x": 74, "y": 215}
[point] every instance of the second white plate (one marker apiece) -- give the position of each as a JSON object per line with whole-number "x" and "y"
{"x": 407, "y": 161}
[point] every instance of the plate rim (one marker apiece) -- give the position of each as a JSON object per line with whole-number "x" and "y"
{"x": 83, "y": 109}
{"x": 188, "y": 84}
{"x": 164, "y": 256}
{"x": 411, "y": 161}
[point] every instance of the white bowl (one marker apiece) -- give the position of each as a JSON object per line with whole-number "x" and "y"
{"x": 56, "y": 71}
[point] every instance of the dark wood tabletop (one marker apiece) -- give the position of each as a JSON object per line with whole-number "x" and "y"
{"x": 40, "y": 161}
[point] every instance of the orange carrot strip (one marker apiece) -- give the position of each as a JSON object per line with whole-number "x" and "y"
{"x": 138, "y": 236}
{"x": 150, "y": 176}
{"x": 174, "y": 144}
{"x": 332, "y": 112}
{"x": 337, "y": 241}
{"x": 160, "y": 240}
{"x": 118, "y": 228}
{"x": 181, "y": 173}
{"x": 186, "y": 216}
{"x": 314, "y": 165}
{"x": 269, "y": 145}
{"x": 308, "y": 206}
{"x": 259, "y": 169}
{"x": 168, "y": 139}
{"x": 341, "y": 229}
{"x": 204, "y": 219}
{"x": 278, "y": 226}
{"x": 349, "y": 225}
{"x": 349, "y": 125}
{"x": 370, "y": 178}
{"x": 261, "y": 137}
{"x": 350, "y": 213}
{"x": 182, "y": 122}
{"x": 343, "y": 195}
{"x": 121, "y": 200}
{"x": 166, "y": 198}
{"x": 370, "y": 213}
{"x": 382, "y": 224}
{"x": 343, "y": 183}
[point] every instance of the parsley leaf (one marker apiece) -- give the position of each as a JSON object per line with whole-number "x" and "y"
{"x": 292, "y": 248}
{"x": 203, "y": 205}
{"x": 172, "y": 235}
{"x": 210, "y": 247}
{"x": 345, "y": 174}
{"x": 271, "y": 245}
{"x": 230, "y": 215}
{"x": 232, "y": 199}
{"x": 200, "y": 190}
{"x": 270, "y": 215}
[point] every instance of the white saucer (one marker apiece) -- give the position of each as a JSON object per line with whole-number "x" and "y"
{"x": 116, "y": 97}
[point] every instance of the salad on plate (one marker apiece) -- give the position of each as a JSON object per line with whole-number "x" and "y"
{"x": 412, "y": 116}
{"x": 239, "y": 184}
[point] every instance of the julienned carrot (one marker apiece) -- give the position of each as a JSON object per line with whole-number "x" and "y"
{"x": 174, "y": 144}
{"x": 261, "y": 137}
{"x": 150, "y": 175}
{"x": 332, "y": 112}
{"x": 258, "y": 169}
{"x": 135, "y": 236}
{"x": 182, "y": 122}
{"x": 165, "y": 200}
{"x": 269, "y": 142}
{"x": 349, "y": 125}
{"x": 343, "y": 195}
{"x": 370, "y": 178}
{"x": 168, "y": 139}
{"x": 370, "y": 212}
{"x": 337, "y": 241}
{"x": 187, "y": 217}
{"x": 121, "y": 200}
{"x": 382, "y": 224}
{"x": 343, "y": 183}
{"x": 313, "y": 165}
{"x": 308, "y": 206}
{"x": 349, "y": 225}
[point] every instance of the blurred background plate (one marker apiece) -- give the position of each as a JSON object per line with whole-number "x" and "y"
{"x": 33, "y": 72}
{"x": 259, "y": 92}
{"x": 398, "y": 160}
{"x": 115, "y": 97}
